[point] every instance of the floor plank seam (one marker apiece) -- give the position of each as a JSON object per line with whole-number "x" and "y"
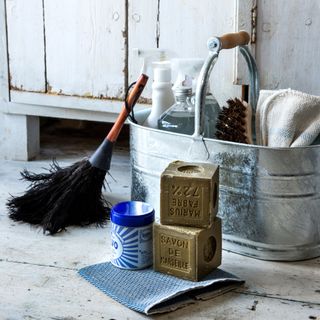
{"x": 38, "y": 264}
{"x": 265, "y": 295}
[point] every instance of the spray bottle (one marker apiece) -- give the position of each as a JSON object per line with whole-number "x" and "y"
{"x": 148, "y": 56}
{"x": 188, "y": 70}
{"x": 162, "y": 95}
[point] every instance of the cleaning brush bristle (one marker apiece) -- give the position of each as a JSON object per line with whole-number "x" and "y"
{"x": 234, "y": 122}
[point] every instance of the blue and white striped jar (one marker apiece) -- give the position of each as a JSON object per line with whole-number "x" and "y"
{"x": 131, "y": 235}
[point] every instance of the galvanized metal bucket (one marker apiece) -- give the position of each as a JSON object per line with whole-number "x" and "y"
{"x": 269, "y": 198}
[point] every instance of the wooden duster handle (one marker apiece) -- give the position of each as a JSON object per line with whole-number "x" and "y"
{"x": 232, "y": 40}
{"x": 132, "y": 99}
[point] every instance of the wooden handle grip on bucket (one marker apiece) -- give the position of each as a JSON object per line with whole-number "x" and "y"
{"x": 232, "y": 40}
{"x": 132, "y": 99}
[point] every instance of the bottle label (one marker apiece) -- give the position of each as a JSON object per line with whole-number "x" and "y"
{"x": 117, "y": 247}
{"x": 131, "y": 246}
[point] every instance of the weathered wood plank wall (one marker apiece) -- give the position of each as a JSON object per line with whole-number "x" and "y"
{"x": 185, "y": 27}
{"x": 85, "y": 47}
{"x": 143, "y": 29}
{"x": 26, "y": 45}
{"x": 288, "y": 47}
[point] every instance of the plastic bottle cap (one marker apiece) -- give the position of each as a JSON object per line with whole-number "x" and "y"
{"x": 183, "y": 90}
{"x": 162, "y": 75}
{"x": 132, "y": 214}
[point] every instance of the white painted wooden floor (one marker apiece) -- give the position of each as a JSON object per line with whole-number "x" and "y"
{"x": 39, "y": 280}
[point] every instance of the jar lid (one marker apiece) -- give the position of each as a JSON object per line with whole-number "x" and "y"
{"x": 132, "y": 214}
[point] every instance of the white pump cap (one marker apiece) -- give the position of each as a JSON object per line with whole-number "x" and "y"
{"x": 162, "y": 71}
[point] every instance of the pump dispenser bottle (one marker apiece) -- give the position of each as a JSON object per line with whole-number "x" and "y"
{"x": 162, "y": 95}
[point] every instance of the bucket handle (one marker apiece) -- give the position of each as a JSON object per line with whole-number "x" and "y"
{"x": 215, "y": 44}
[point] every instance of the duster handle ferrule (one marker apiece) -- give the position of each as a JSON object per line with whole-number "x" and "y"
{"x": 102, "y": 156}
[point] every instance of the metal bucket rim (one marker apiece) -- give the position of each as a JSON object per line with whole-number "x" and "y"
{"x": 223, "y": 142}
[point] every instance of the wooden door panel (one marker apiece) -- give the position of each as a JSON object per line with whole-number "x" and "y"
{"x": 85, "y": 47}
{"x": 288, "y": 47}
{"x": 26, "y": 45}
{"x": 185, "y": 27}
{"x": 142, "y": 21}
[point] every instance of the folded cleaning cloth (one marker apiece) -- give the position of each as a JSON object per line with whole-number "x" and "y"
{"x": 287, "y": 118}
{"x": 151, "y": 292}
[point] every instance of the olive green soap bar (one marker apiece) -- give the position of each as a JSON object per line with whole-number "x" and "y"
{"x": 186, "y": 252}
{"x": 189, "y": 194}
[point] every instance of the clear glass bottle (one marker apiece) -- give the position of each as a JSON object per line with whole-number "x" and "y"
{"x": 179, "y": 117}
{"x": 188, "y": 71}
{"x": 211, "y": 113}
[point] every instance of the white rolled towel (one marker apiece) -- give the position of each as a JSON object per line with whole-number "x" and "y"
{"x": 287, "y": 118}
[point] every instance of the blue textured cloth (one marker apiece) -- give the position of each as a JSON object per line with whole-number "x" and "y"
{"x": 150, "y": 292}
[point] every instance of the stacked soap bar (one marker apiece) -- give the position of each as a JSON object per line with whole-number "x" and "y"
{"x": 189, "y": 194}
{"x": 187, "y": 242}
